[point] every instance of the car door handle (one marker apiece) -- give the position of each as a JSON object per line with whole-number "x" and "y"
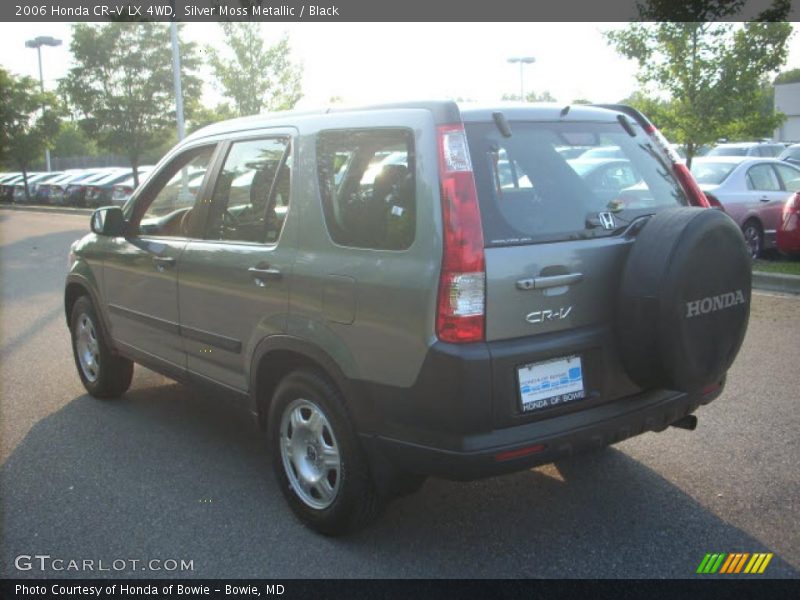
{"x": 763, "y": 199}
{"x": 262, "y": 274}
{"x": 549, "y": 281}
{"x": 162, "y": 262}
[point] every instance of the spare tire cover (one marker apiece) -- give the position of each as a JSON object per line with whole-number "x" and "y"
{"x": 684, "y": 299}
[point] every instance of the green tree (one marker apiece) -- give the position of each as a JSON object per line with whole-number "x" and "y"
{"x": 204, "y": 115}
{"x": 545, "y": 96}
{"x": 122, "y": 88}
{"x": 712, "y": 75}
{"x": 29, "y": 120}
{"x": 257, "y": 77}
{"x": 71, "y": 140}
{"x": 790, "y": 76}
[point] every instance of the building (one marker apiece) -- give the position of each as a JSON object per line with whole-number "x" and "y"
{"x": 787, "y": 101}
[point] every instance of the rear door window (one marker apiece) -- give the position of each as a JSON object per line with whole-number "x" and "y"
{"x": 529, "y": 191}
{"x": 367, "y": 184}
{"x": 763, "y": 178}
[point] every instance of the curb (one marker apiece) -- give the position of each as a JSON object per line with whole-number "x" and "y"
{"x": 61, "y": 210}
{"x": 775, "y": 282}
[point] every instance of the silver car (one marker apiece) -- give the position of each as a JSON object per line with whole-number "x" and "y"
{"x": 418, "y": 289}
{"x": 751, "y": 190}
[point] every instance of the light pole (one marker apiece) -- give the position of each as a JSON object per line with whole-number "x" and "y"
{"x": 176, "y": 76}
{"x": 522, "y": 60}
{"x": 38, "y": 42}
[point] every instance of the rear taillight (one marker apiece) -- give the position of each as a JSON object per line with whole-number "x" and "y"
{"x": 461, "y": 310}
{"x": 792, "y": 205}
{"x": 714, "y": 201}
{"x": 687, "y": 182}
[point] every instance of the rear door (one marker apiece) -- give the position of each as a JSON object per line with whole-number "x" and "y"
{"x": 767, "y": 197}
{"x": 234, "y": 283}
{"x": 556, "y": 245}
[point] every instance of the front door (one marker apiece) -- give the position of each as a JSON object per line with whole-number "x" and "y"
{"x": 234, "y": 284}
{"x": 140, "y": 269}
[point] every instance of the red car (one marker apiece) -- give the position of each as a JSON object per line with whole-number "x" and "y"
{"x": 788, "y": 234}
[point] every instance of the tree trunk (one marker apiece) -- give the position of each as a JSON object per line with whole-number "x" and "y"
{"x": 135, "y": 167}
{"x": 25, "y": 184}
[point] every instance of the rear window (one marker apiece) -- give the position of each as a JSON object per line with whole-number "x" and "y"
{"x": 366, "y": 179}
{"x": 529, "y": 191}
{"x": 728, "y": 151}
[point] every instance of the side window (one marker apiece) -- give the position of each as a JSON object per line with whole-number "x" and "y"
{"x": 251, "y": 194}
{"x": 366, "y": 179}
{"x": 762, "y": 177}
{"x": 790, "y": 177}
{"x": 169, "y": 204}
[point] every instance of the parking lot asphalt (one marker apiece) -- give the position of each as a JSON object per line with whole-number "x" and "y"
{"x": 169, "y": 472}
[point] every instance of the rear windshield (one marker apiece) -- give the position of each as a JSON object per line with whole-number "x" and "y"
{"x": 711, "y": 172}
{"x": 530, "y": 191}
{"x": 728, "y": 151}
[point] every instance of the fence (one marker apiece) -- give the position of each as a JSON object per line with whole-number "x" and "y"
{"x": 61, "y": 163}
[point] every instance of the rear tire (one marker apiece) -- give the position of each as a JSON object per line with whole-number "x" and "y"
{"x": 754, "y": 237}
{"x": 103, "y": 374}
{"x": 317, "y": 458}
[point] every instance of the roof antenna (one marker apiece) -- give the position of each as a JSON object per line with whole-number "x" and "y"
{"x": 564, "y": 111}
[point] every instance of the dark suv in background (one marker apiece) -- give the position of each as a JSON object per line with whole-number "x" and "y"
{"x": 417, "y": 289}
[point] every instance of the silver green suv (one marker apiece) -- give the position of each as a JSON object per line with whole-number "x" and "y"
{"x": 418, "y": 289}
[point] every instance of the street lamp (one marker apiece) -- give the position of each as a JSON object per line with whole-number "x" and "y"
{"x": 522, "y": 60}
{"x": 38, "y": 42}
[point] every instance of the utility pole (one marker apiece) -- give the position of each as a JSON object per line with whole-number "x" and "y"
{"x": 522, "y": 60}
{"x": 38, "y": 42}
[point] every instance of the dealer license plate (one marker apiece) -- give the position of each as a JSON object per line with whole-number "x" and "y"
{"x": 550, "y": 383}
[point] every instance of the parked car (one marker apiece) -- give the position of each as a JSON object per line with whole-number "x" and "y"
{"x": 606, "y": 177}
{"x": 100, "y": 192}
{"x": 603, "y": 152}
{"x": 791, "y": 154}
{"x": 788, "y": 236}
{"x": 751, "y": 190}
{"x": 766, "y": 149}
{"x": 427, "y": 321}
{"x": 33, "y": 184}
{"x": 55, "y": 192}
{"x": 5, "y": 179}
{"x": 8, "y": 187}
{"x": 122, "y": 191}
{"x": 77, "y": 192}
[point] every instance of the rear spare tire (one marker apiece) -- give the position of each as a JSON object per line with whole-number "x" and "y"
{"x": 684, "y": 300}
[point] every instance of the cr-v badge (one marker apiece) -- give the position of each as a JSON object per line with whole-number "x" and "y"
{"x": 540, "y": 316}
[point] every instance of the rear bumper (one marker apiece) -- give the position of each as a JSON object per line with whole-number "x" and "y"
{"x": 477, "y": 455}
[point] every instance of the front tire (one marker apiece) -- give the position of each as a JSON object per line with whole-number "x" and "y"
{"x": 103, "y": 374}
{"x": 317, "y": 458}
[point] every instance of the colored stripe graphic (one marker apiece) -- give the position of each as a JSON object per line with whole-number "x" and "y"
{"x": 701, "y": 568}
{"x": 734, "y": 563}
{"x": 740, "y": 564}
{"x": 765, "y": 563}
{"x": 727, "y": 564}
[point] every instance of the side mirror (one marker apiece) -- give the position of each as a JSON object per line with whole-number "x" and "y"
{"x": 108, "y": 221}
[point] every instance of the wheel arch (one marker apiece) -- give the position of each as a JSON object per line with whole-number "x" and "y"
{"x": 278, "y": 355}
{"x": 78, "y": 286}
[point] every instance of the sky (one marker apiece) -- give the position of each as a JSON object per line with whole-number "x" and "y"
{"x": 376, "y": 62}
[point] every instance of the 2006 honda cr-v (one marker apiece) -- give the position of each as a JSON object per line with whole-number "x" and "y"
{"x": 418, "y": 289}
